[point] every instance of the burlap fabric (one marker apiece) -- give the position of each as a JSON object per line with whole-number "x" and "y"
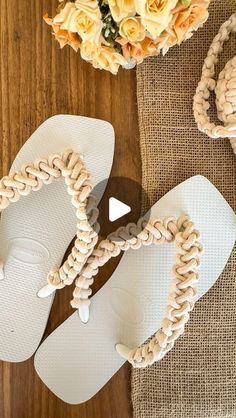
{"x": 197, "y": 379}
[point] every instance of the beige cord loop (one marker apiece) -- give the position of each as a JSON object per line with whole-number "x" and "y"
{"x": 185, "y": 277}
{"x": 225, "y": 90}
{"x": 43, "y": 171}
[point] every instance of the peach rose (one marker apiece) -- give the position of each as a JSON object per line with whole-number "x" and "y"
{"x": 121, "y": 9}
{"x": 137, "y": 51}
{"x": 132, "y": 29}
{"x": 103, "y": 57}
{"x": 64, "y": 37}
{"x": 185, "y": 20}
{"x": 189, "y": 19}
{"x": 82, "y": 17}
{"x": 165, "y": 41}
{"x": 155, "y": 14}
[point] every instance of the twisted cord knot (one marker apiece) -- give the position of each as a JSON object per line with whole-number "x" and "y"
{"x": 184, "y": 272}
{"x": 79, "y": 187}
{"x": 224, "y": 88}
{"x": 32, "y": 177}
{"x": 132, "y": 236}
{"x": 181, "y": 299}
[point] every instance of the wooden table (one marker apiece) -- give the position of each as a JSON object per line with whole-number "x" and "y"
{"x": 38, "y": 81}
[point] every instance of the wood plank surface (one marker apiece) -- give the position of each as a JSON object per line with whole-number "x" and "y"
{"x": 37, "y": 80}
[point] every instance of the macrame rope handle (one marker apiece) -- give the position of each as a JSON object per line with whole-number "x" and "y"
{"x": 32, "y": 177}
{"x": 185, "y": 278}
{"x": 225, "y": 90}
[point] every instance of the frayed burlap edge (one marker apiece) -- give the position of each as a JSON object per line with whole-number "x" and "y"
{"x": 197, "y": 379}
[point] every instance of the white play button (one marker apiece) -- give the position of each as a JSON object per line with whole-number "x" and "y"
{"x": 117, "y": 209}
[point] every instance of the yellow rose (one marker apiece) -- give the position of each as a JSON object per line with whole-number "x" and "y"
{"x": 189, "y": 19}
{"x": 89, "y": 50}
{"x": 82, "y": 17}
{"x": 64, "y": 14}
{"x": 103, "y": 57}
{"x": 121, "y": 9}
{"x": 132, "y": 29}
{"x": 155, "y": 14}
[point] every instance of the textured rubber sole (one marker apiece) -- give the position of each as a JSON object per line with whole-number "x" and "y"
{"x": 36, "y": 231}
{"x": 77, "y": 359}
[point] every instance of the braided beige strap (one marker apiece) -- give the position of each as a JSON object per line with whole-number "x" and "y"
{"x": 225, "y": 90}
{"x": 32, "y": 177}
{"x": 185, "y": 277}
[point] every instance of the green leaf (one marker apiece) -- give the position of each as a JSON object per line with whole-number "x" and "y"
{"x": 185, "y": 2}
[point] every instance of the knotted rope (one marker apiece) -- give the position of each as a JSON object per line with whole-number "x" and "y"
{"x": 185, "y": 277}
{"x": 225, "y": 90}
{"x": 32, "y": 177}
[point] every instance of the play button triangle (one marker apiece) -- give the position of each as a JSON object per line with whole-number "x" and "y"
{"x": 117, "y": 209}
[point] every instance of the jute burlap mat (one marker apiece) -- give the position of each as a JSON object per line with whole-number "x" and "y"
{"x": 197, "y": 379}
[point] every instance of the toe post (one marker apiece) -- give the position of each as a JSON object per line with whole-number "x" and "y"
{"x": 46, "y": 291}
{"x": 1, "y": 271}
{"x": 83, "y": 312}
{"x": 123, "y": 350}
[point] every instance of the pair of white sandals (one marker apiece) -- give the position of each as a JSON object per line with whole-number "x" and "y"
{"x": 83, "y": 353}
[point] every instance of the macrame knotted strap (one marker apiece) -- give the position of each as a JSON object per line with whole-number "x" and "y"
{"x": 185, "y": 277}
{"x": 32, "y": 177}
{"x": 225, "y": 90}
{"x": 131, "y": 236}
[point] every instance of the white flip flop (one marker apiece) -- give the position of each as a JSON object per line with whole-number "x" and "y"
{"x": 36, "y": 230}
{"x": 77, "y": 359}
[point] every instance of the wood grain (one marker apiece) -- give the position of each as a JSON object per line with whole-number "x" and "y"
{"x": 37, "y": 80}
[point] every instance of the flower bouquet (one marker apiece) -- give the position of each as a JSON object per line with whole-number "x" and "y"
{"x": 110, "y": 33}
